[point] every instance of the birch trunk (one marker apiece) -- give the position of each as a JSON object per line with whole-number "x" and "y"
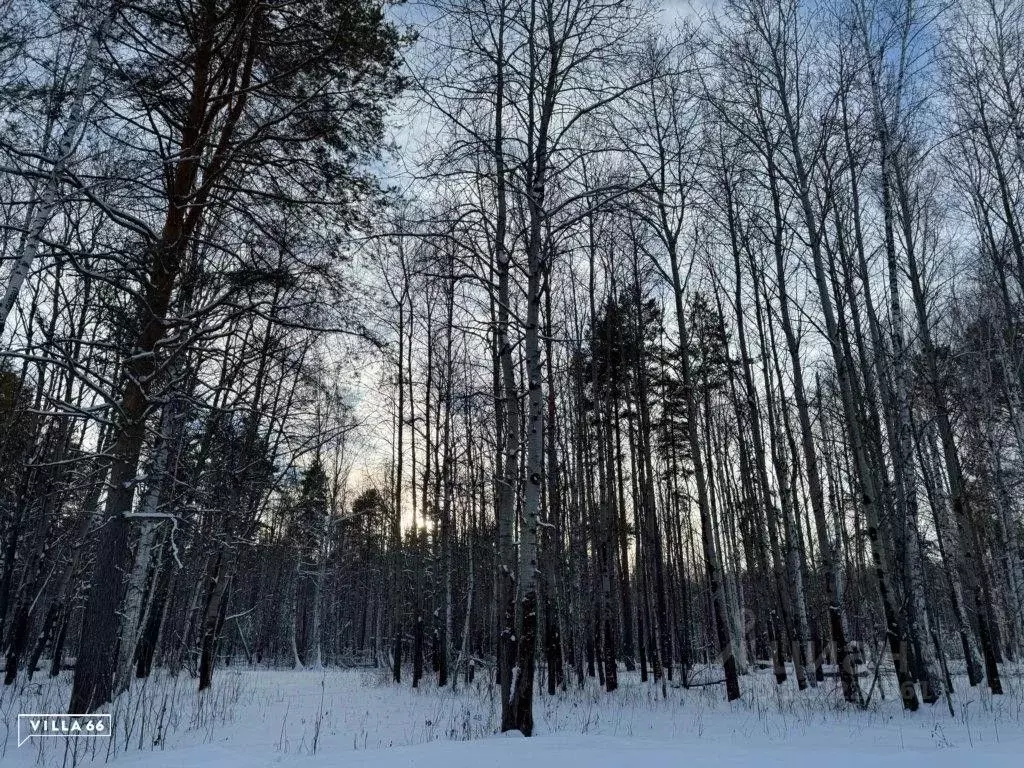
{"x": 41, "y": 207}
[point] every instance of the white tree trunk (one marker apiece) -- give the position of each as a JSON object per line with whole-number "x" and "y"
{"x": 132, "y": 608}
{"x": 293, "y": 610}
{"x": 317, "y": 661}
{"x": 41, "y": 207}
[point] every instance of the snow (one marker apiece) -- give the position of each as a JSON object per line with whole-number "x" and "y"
{"x": 331, "y": 717}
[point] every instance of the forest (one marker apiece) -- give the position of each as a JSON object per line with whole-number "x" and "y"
{"x": 543, "y": 345}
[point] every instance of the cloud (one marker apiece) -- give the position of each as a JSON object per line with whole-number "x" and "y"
{"x": 676, "y": 10}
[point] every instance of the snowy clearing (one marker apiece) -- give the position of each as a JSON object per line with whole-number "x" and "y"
{"x": 335, "y": 717}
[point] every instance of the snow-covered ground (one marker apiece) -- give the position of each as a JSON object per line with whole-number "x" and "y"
{"x": 318, "y": 719}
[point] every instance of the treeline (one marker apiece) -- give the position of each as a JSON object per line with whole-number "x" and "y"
{"x": 715, "y": 333}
